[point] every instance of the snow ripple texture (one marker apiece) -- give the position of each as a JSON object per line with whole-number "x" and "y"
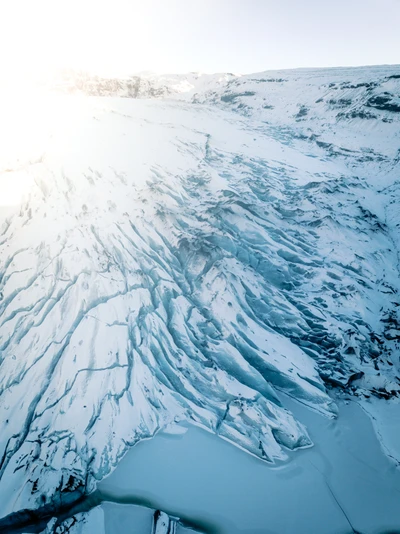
{"x": 190, "y": 259}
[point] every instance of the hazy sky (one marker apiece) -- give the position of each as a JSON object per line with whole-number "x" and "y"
{"x": 122, "y": 36}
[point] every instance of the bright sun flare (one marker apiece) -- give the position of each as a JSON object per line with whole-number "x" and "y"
{"x": 40, "y": 38}
{"x": 45, "y": 35}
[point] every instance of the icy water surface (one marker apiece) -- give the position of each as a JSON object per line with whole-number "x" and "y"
{"x": 342, "y": 483}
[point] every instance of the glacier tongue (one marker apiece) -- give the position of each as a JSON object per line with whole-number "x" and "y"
{"x": 177, "y": 261}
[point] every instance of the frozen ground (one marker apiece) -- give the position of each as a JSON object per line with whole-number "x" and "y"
{"x": 342, "y": 483}
{"x": 189, "y": 259}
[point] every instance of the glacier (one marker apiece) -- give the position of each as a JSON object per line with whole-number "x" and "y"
{"x": 193, "y": 248}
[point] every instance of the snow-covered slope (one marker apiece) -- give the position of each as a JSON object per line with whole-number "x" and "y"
{"x": 186, "y": 258}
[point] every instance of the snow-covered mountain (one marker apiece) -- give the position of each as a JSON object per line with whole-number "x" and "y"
{"x": 194, "y": 252}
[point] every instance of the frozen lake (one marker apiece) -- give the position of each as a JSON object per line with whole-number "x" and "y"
{"x": 343, "y": 483}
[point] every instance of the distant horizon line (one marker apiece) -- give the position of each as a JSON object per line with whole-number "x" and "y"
{"x": 148, "y": 72}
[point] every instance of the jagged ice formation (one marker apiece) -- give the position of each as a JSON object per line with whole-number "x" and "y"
{"x": 190, "y": 257}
